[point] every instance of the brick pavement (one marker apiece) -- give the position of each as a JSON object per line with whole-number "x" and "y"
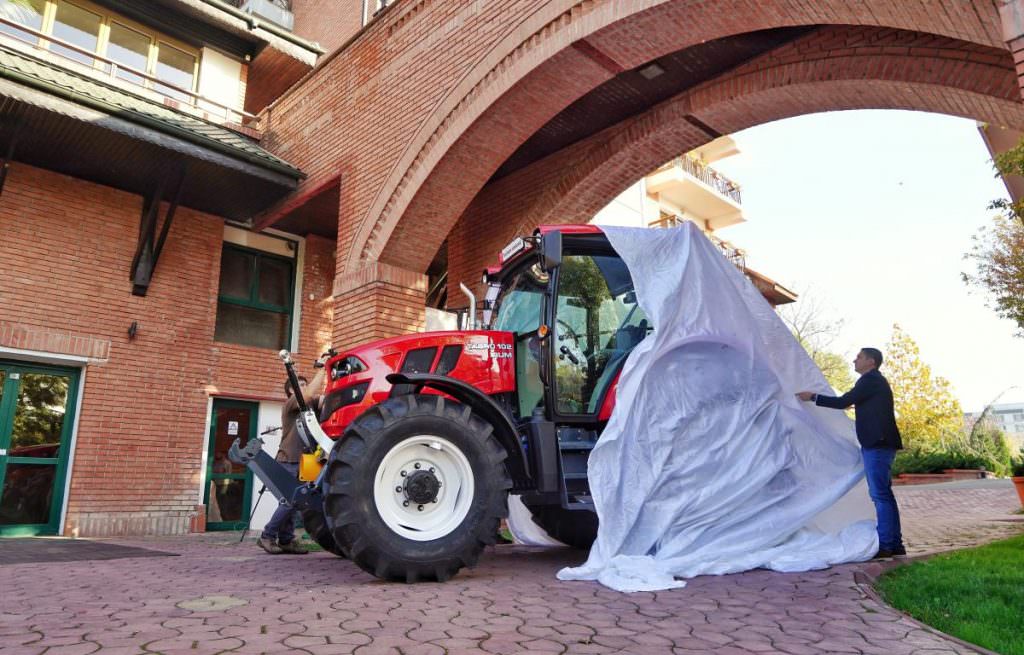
{"x": 219, "y": 596}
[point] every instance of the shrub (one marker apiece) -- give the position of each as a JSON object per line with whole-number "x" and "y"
{"x": 1017, "y": 465}
{"x": 922, "y": 461}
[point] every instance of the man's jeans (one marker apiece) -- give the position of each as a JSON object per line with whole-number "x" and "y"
{"x": 281, "y": 525}
{"x": 877, "y": 465}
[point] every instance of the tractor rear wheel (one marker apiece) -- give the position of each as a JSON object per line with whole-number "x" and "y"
{"x": 316, "y": 527}
{"x": 415, "y": 488}
{"x": 575, "y": 528}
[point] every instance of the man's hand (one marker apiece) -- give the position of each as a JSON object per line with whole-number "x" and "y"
{"x": 806, "y": 396}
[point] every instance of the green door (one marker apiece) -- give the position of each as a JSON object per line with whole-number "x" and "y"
{"x": 37, "y": 406}
{"x": 229, "y": 485}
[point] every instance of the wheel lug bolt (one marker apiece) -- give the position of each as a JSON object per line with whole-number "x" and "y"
{"x": 405, "y": 503}
{"x": 431, "y": 469}
{"x": 420, "y": 507}
{"x": 398, "y": 490}
{"x": 416, "y": 465}
{"x": 403, "y": 474}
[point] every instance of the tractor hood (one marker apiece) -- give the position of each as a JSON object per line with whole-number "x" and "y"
{"x": 357, "y": 378}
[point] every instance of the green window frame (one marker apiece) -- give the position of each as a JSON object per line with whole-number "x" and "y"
{"x": 237, "y": 297}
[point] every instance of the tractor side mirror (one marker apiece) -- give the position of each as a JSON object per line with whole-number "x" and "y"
{"x": 551, "y": 251}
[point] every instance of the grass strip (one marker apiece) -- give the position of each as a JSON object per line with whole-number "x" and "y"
{"x": 975, "y": 594}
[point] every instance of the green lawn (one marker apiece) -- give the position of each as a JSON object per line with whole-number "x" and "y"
{"x": 976, "y": 594}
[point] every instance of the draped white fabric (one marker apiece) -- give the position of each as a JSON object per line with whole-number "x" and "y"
{"x": 709, "y": 464}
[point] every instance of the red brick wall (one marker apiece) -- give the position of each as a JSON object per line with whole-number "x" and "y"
{"x": 419, "y": 110}
{"x": 328, "y": 22}
{"x": 65, "y": 254}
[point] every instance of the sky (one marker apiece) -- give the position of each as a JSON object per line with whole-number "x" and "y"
{"x": 873, "y": 212}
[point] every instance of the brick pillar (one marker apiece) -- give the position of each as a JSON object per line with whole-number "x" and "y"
{"x": 377, "y": 301}
{"x": 1011, "y": 13}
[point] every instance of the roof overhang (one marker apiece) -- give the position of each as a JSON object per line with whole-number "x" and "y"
{"x": 90, "y": 144}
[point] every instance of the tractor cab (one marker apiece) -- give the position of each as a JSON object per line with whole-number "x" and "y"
{"x": 570, "y": 301}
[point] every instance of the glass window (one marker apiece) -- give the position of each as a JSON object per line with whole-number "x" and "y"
{"x": 237, "y": 270}
{"x": 518, "y": 308}
{"x": 598, "y": 322}
{"x": 79, "y": 27}
{"x": 254, "y": 303}
{"x": 176, "y": 67}
{"x": 275, "y": 277}
{"x": 128, "y": 48}
{"x": 29, "y": 14}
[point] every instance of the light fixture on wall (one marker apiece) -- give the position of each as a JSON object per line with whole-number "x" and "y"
{"x": 651, "y": 71}
{"x": 133, "y": 329}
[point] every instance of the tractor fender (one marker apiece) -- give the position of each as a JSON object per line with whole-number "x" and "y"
{"x": 482, "y": 406}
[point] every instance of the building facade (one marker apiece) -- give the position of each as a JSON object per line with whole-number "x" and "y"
{"x": 188, "y": 186}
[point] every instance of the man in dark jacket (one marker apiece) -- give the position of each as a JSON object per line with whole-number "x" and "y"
{"x": 879, "y": 440}
{"x": 278, "y": 535}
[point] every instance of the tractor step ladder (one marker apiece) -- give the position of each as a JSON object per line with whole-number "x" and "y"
{"x": 574, "y": 446}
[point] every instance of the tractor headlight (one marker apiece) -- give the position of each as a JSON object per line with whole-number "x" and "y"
{"x": 346, "y": 366}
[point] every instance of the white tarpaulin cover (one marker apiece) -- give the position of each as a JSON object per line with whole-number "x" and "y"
{"x": 709, "y": 464}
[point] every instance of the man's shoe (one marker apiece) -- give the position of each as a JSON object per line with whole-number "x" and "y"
{"x": 899, "y": 551}
{"x": 269, "y": 545}
{"x": 883, "y": 554}
{"x": 292, "y": 548}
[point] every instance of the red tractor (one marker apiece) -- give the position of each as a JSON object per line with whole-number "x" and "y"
{"x": 423, "y": 437}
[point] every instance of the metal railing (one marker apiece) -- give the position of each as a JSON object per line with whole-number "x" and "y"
{"x": 112, "y": 68}
{"x": 281, "y": 4}
{"x": 736, "y": 256}
{"x": 708, "y": 176}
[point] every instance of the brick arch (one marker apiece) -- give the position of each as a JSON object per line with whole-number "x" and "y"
{"x": 892, "y": 69}
{"x": 807, "y": 76}
{"x": 522, "y": 82}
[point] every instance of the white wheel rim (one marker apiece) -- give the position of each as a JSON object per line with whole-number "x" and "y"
{"x": 431, "y": 520}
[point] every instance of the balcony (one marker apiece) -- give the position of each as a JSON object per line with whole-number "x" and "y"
{"x": 697, "y": 191}
{"x": 278, "y": 12}
{"x": 20, "y": 37}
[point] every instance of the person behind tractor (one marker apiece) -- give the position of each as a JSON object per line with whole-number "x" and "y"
{"x": 879, "y": 440}
{"x": 278, "y": 535}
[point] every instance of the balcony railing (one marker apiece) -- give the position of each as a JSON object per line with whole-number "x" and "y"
{"x": 708, "y": 176}
{"x": 278, "y": 12}
{"x": 112, "y": 69}
{"x": 737, "y": 256}
{"x": 280, "y": 4}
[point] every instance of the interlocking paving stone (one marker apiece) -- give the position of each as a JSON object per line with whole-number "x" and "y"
{"x": 51, "y": 549}
{"x": 511, "y": 603}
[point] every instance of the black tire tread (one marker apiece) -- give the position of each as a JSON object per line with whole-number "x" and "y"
{"x": 345, "y": 520}
{"x": 575, "y": 528}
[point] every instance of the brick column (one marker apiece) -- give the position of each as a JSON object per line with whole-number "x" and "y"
{"x": 375, "y": 302}
{"x": 1011, "y": 14}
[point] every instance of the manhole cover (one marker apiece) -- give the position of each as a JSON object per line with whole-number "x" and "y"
{"x": 211, "y": 603}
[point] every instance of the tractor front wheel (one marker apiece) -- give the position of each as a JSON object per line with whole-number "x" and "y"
{"x": 415, "y": 488}
{"x": 316, "y": 527}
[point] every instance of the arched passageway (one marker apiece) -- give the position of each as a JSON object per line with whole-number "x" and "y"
{"x": 472, "y": 122}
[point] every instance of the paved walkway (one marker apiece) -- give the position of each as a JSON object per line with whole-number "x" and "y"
{"x": 220, "y": 596}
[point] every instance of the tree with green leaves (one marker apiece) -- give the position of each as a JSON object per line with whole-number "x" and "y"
{"x": 998, "y": 249}
{"x": 998, "y": 255}
{"x": 927, "y": 412}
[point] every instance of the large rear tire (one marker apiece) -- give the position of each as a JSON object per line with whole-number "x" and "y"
{"x": 575, "y": 528}
{"x": 316, "y": 527}
{"x": 415, "y": 488}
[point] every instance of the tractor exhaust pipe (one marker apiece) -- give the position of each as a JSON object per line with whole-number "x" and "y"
{"x": 472, "y": 306}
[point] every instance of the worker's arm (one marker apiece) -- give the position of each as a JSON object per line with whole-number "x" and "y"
{"x": 860, "y": 392}
{"x": 315, "y": 387}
